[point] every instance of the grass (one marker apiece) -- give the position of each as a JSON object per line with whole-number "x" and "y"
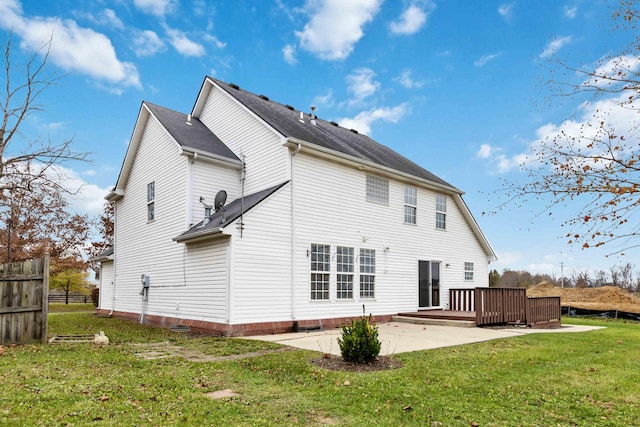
{"x": 74, "y": 307}
{"x": 577, "y": 379}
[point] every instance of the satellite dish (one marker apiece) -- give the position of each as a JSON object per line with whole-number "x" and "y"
{"x": 220, "y": 200}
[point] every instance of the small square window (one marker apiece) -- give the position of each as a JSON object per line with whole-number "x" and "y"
{"x": 377, "y": 190}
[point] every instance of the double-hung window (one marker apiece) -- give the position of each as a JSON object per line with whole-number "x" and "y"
{"x": 377, "y": 190}
{"x": 410, "y": 204}
{"x": 151, "y": 201}
{"x": 367, "y": 273}
{"x": 468, "y": 271}
{"x": 344, "y": 276}
{"x": 320, "y": 271}
{"x": 441, "y": 211}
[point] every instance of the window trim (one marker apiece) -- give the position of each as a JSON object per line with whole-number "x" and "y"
{"x": 370, "y": 292}
{"x": 441, "y": 211}
{"x": 348, "y": 274}
{"x": 325, "y": 282}
{"x": 151, "y": 201}
{"x": 468, "y": 271}
{"x": 377, "y": 190}
{"x": 412, "y": 205}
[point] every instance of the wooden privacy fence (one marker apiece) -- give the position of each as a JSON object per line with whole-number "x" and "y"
{"x": 24, "y": 287}
{"x": 506, "y": 305}
{"x": 73, "y": 298}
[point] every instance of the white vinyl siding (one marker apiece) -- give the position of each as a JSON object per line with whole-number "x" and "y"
{"x": 410, "y": 204}
{"x": 267, "y": 161}
{"x": 377, "y": 190}
{"x": 340, "y": 216}
{"x": 207, "y": 179}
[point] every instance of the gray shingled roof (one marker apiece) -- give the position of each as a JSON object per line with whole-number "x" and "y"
{"x": 327, "y": 135}
{"x": 196, "y": 135}
{"x": 228, "y": 214}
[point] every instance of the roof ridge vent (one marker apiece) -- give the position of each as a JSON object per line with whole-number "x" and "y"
{"x": 288, "y": 107}
{"x": 334, "y": 123}
{"x": 354, "y": 131}
{"x": 235, "y": 86}
{"x": 266, "y": 98}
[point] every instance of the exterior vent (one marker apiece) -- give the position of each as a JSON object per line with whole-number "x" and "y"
{"x": 353, "y": 130}
{"x": 266, "y": 98}
{"x": 289, "y": 107}
{"x": 334, "y": 123}
{"x": 236, "y": 87}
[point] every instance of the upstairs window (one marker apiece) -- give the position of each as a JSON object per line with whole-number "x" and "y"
{"x": 468, "y": 271}
{"x": 441, "y": 211}
{"x": 151, "y": 201}
{"x": 320, "y": 269}
{"x": 344, "y": 277}
{"x": 377, "y": 190}
{"x": 367, "y": 273}
{"x": 410, "y": 204}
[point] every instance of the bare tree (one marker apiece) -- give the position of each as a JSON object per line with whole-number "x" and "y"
{"x": 29, "y": 160}
{"x": 593, "y": 165}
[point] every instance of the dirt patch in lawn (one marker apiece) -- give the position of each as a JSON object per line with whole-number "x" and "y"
{"x": 335, "y": 363}
{"x": 602, "y": 298}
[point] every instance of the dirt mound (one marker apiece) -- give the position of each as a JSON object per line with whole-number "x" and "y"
{"x": 603, "y": 298}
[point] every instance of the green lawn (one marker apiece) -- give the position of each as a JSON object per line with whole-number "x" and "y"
{"x": 576, "y": 379}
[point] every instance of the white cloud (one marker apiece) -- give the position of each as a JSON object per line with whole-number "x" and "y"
{"x": 215, "y": 41}
{"x": 572, "y": 135}
{"x": 570, "y": 11}
{"x": 412, "y": 19}
{"x": 506, "y": 10}
{"x": 325, "y": 99}
{"x": 335, "y": 26}
{"x": 183, "y": 44}
{"x": 363, "y": 121}
{"x": 405, "y": 79}
{"x": 156, "y": 7}
{"x": 289, "y": 54}
{"x": 73, "y": 48}
{"x": 361, "y": 85}
{"x": 110, "y": 17}
{"x": 555, "y": 45}
{"x": 147, "y": 43}
{"x": 614, "y": 72}
{"x": 480, "y": 62}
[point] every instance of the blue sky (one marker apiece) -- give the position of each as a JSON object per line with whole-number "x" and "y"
{"x": 455, "y": 85}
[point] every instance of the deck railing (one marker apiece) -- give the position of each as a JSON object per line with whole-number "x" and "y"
{"x": 505, "y": 305}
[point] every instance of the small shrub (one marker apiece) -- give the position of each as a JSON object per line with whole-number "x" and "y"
{"x": 359, "y": 342}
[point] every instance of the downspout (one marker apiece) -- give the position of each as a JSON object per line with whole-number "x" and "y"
{"x": 293, "y": 235}
{"x": 115, "y": 263}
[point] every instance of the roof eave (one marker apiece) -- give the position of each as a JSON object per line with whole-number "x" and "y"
{"x": 363, "y": 164}
{"x": 200, "y": 235}
{"x": 213, "y": 158}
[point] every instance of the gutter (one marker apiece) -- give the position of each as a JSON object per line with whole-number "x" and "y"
{"x": 363, "y": 164}
{"x": 214, "y": 158}
{"x": 199, "y": 235}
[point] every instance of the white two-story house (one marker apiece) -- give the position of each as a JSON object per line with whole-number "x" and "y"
{"x": 318, "y": 221}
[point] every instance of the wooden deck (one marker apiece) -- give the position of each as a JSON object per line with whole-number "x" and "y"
{"x": 442, "y": 315}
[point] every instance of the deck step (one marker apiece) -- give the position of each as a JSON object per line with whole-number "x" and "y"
{"x": 435, "y": 322}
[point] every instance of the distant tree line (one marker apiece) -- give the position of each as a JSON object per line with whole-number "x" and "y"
{"x": 624, "y": 276}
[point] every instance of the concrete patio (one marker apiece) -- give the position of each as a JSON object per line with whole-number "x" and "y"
{"x": 399, "y": 337}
